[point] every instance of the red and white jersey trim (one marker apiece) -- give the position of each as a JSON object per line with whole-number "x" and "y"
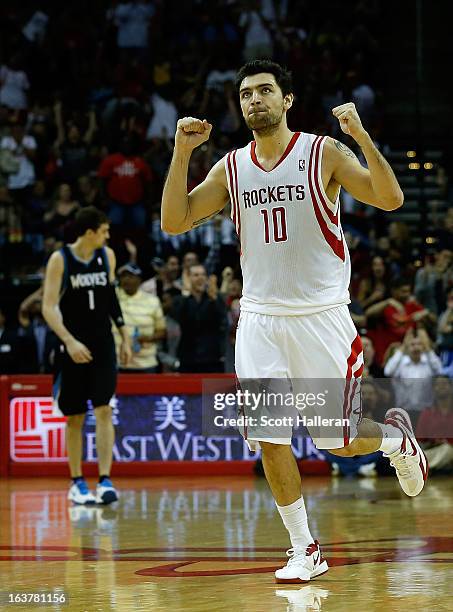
{"x": 287, "y": 151}
{"x": 232, "y": 177}
{"x": 328, "y": 219}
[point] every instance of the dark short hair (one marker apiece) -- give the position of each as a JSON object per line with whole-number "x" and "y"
{"x": 89, "y": 218}
{"x": 283, "y": 76}
{"x": 197, "y": 265}
{"x": 400, "y": 281}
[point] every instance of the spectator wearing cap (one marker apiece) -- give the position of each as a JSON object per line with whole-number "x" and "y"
{"x": 144, "y": 320}
{"x": 202, "y": 317}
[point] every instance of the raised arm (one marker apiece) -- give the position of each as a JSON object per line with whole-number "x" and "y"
{"x": 92, "y": 127}
{"x": 182, "y": 211}
{"x": 375, "y": 185}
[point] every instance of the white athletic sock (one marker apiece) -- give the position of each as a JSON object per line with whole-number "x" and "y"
{"x": 294, "y": 518}
{"x": 392, "y": 438}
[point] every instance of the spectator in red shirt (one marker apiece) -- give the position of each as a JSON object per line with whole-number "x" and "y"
{"x": 435, "y": 426}
{"x": 127, "y": 179}
{"x": 396, "y": 316}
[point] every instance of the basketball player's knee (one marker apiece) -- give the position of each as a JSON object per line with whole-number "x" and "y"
{"x": 273, "y": 451}
{"x": 103, "y": 414}
{"x": 368, "y": 429}
{"x": 75, "y": 421}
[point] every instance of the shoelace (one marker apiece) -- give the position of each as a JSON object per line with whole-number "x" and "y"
{"x": 402, "y": 466}
{"x": 296, "y": 555}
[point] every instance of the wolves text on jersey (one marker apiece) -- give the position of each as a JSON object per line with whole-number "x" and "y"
{"x": 278, "y": 193}
{"x": 90, "y": 279}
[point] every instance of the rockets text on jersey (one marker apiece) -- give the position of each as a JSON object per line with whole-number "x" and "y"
{"x": 294, "y": 257}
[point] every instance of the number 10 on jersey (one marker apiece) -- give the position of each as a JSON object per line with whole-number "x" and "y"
{"x": 274, "y": 224}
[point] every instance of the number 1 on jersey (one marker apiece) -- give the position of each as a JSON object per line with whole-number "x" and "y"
{"x": 91, "y": 299}
{"x": 278, "y": 224}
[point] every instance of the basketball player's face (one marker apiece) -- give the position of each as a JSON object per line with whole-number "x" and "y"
{"x": 101, "y": 235}
{"x": 262, "y": 102}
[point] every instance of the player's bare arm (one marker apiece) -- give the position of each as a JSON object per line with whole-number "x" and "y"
{"x": 112, "y": 263}
{"x": 78, "y": 352}
{"x": 375, "y": 185}
{"x": 125, "y": 348}
{"x": 182, "y": 211}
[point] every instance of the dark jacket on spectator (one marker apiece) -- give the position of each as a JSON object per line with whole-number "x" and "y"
{"x": 203, "y": 325}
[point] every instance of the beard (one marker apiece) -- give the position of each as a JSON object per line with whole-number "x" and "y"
{"x": 264, "y": 123}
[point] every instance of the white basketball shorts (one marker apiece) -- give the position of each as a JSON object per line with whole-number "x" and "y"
{"x": 306, "y": 350}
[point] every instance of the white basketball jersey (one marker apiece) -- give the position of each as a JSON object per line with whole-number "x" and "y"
{"x": 294, "y": 257}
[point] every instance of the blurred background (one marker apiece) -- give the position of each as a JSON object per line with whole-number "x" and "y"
{"x": 90, "y": 93}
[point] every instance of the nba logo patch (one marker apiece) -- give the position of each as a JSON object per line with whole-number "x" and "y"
{"x": 37, "y": 430}
{"x": 302, "y": 165}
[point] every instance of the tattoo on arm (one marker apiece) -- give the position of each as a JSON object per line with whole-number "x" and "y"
{"x": 344, "y": 149}
{"x": 204, "y": 219}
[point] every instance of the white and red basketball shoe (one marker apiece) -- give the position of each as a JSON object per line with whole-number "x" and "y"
{"x": 409, "y": 460}
{"x": 303, "y": 565}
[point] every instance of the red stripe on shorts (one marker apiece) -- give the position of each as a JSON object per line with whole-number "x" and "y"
{"x": 356, "y": 349}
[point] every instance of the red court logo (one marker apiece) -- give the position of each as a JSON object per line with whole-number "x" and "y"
{"x": 37, "y": 430}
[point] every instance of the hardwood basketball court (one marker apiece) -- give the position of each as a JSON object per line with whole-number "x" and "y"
{"x": 212, "y": 544}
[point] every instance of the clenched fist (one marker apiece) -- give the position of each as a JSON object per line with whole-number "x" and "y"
{"x": 191, "y": 133}
{"x": 350, "y": 122}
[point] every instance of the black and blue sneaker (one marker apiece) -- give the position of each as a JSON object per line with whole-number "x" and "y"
{"x": 106, "y": 492}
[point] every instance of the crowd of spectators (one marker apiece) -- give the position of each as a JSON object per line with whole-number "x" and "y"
{"x": 89, "y": 98}
{"x": 90, "y": 94}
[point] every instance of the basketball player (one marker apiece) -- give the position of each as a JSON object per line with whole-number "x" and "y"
{"x": 294, "y": 321}
{"x": 79, "y": 301}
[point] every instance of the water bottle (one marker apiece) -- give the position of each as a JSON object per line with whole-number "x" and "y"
{"x": 136, "y": 346}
